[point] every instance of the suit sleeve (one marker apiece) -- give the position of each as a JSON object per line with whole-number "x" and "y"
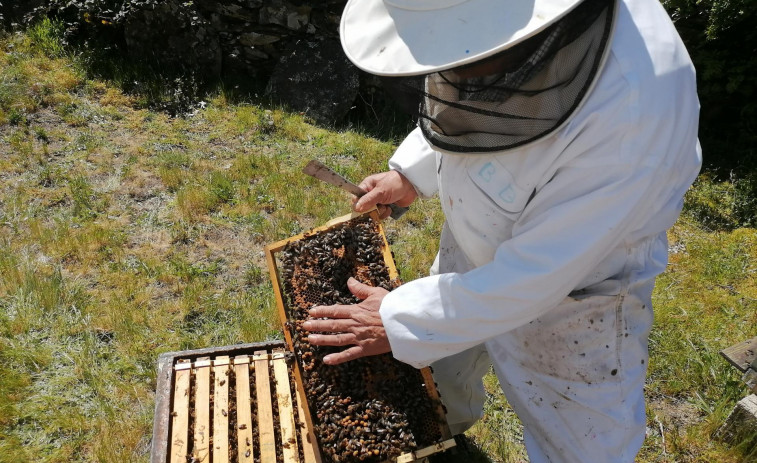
{"x": 572, "y": 224}
{"x": 416, "y": 160}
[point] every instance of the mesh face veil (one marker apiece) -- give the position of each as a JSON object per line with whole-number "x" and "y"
{"x": 516, "y": 96}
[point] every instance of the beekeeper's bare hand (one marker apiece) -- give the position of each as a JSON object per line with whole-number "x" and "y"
{"x": 385, "y": 188}
{"x": 357, "y": 325}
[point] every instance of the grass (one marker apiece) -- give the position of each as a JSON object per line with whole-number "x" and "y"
{"x": 127, "y": 232}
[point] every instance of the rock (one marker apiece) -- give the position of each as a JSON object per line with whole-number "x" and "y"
{"x": 252, "y": 39}
{"x": 315, "y": 78}
{"x": 298, "y": 19}
{"x": 253, "y": 53}
{"x": 276, "y": 13}
{"x": 174, "y": 36}
{"x": 292, "y": 45}
{"x": 13, "y": 11}
{"x": 740, "y": 426}
{"x": 234, "y": 11}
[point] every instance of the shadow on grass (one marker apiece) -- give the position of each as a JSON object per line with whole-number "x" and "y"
{"x": 465, "y": 450}
{"x": 730, "y": 161}
{"x": 178, "y": 92}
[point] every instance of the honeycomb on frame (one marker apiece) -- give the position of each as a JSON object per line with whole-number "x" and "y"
{"x": 374, "y": 409}
{"x": 235, "y": 404}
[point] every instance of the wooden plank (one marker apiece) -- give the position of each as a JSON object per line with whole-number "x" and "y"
{"x": 277, "y": 290}
{"x": 310, "y": 450}
{"x": 164, "y": 389}
{"x": 279, "y": 245}
{"x": 433, "y": 394}
{"x": 265, "y": 410}
{"x": 426, "y": 451}
{"x": 741, "y": 355}
{"x": 180, "y": 414}
{"x": 221, "y": 410}
{"x": 234, "y": 349}
{"x": 244, "y": 411}
{"x": 161, "y": 423}
{"x": 201, "y": 448}
{"x": 286, "y": 411}
{"x": 387, "y": 253}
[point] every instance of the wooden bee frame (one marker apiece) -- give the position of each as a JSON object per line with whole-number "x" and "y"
{"x": 445, "y": 442}
{"x": 223, "y": 404}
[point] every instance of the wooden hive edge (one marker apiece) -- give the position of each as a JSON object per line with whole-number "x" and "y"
{"x": 163, "y": 392}
{"x": 279, "y": 245}
{"x": 433, "y": 394}
{"x": 164, "y": 388}
{"x": 741, "y": 355}
{"x": 426, "y": 451}
{"x": 273, "y": 248}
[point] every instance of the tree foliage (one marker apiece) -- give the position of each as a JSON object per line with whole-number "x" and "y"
{"x": 722, "y": 41}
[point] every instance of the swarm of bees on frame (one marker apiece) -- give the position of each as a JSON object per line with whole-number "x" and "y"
{"x": 370, "y": 409}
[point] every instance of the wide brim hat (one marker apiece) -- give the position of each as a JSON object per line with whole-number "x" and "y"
{"x": 414, "y": 37}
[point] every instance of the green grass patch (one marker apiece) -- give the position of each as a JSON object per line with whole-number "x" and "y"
{"x": 126, "y": 232}
{"x": 720, "y": 204}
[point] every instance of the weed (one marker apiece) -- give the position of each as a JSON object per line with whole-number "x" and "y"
{"x": 221, "y": 187}
{"x": 174, "y": 158}
{"x": 173, "y": 168}
{"x": 75, "y": 114}
{"x": 499, "y": 433}
{"x": 41, "y": 135}
{"x": 83, "y": 198}
{"x": 194, "y": 202}
{"x": 22, "y": 144}
{"x": 46, "y": 36}
{"x": 255, "y": 276}
{"x": 183, "y": 232}
{"x": 16, "y": 117}
{"x": 189, "y": 271}
{"x": 247, "y": 120}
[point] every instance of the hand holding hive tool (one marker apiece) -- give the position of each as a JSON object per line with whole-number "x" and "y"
{"x": 322, "y": 172}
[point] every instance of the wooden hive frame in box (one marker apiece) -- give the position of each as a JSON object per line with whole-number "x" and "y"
{"x": 224, "y": 404}
{"x": 339, "y": 441}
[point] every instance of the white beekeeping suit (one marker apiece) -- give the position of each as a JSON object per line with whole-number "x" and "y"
{"x": 550, "y": 249}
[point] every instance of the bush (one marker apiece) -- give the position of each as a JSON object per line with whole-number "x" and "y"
{"x": 722, "y": 41}
{"x": 78, "y": 13}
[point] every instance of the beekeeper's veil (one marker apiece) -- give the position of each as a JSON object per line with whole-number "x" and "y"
{"x": 482, "y": 75}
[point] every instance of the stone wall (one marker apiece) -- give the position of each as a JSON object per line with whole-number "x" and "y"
{"x": 294, "y": 45}
{"x": 255, "y": 33}
{"x": 13, "y": 10}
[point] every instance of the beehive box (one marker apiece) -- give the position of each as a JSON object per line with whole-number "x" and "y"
{"x": 230, "y": 404}
{"x": 373, "y": 409}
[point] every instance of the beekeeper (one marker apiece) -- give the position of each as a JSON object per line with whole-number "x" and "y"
{"x": 560, "y": 137}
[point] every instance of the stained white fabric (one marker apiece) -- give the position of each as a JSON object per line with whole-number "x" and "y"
{"x": 549, "y": 253}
